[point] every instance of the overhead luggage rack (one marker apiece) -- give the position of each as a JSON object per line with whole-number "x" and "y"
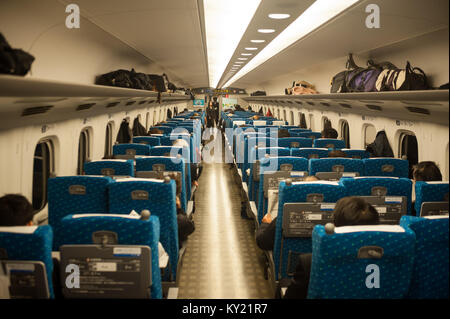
{"x": 429, "y": 105}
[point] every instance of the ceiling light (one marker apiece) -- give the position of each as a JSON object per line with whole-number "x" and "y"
{"x": 222, "y": 37}
{"x": 240, "y": 62}
{"x": 279, "y": 16}
{"x": 243, "y": 59}
{"x": 251, "y": 49}
{"x": 266, "y": 30}
{"x": 246, "y": 54}
{"x": 258, "y": 41}
{"x": 320, "y": 12}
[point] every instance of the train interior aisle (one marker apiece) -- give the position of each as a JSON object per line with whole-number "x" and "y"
{"x": 224, "y": 149}
{"x": 222, "y": 260}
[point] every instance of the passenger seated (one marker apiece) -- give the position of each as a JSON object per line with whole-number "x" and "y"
{"x": 349, "y": 211}
{"x": 265, "y": 235}
{"x": 329, "y": 133}
{"x": 337, "y": 153}
{"x": 193, "y": 167}
{"x": 15, "y": 210}
{"x": 283, "y": 133}
{"x": 426, "y": 171}
{"x": 154, "y": 130}
{"x": 186, "y": 226}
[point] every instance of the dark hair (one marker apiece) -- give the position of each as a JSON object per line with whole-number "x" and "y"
{"x": 337, "y": 153}
{"x": 154, "y": 130}
{"x": 283, "y": 133}
{"x": 177, "y": 182}
{"x": 329, "y": 133}
{"x": 427, "y": 171}
{"x": 15, "y": 210}
{"x": 352, "y": 210}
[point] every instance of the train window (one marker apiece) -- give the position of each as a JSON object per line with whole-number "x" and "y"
{"x": 446, "y": 164}
{"x": 292, "y": 118}
{"x": 345, "y": 133}
{"x": 43, "y": 167}
{"x": 278, "y": 114}
{"x": 83, "y": 150}
{"x": 302, "y": 120}
{"x": 369, "y": 134}
{"x": 147, "y": 117}
{"x": 325, "y": 122}
{"x": 154, "y": 118}
{"x": 408, "y": 149}
{"x": 284, "y": 115}
{"x": 109, "y": 139}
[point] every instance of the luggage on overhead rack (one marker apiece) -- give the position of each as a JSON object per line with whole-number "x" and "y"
{"x": 13, "y": 61}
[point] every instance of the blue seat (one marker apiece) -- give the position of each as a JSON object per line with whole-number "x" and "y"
{"x": 299, "y": 130}
{"x": 170, "y": 164}
{"x": 249, "y": 144}
{"x": 75, "y": 195}
{"x": 295, "y": 142}
{"x": 298, "y": 192}
{"x": 159, "y": 198}
{"x": 364, "y": 186}
{"x": 431, "y": 269}
{"x": 329, "y": 143}
{"x": 274, "y": 164}
{"x": 386, "y": 166}
{"x": 330, "y": 164}
{"x": 149, "y": 140}
{"x": 312, "y": 135}
{"x": 78, "y": 230}
{"x": 258, "y": 154}
{"x": 174, "y": 151}
{"x": 131, "y": 149}
{"x": 353, "y": 153}
{"x": 429, "y": 192}
{"x": 338, "y": 273}
{"x": 310, "y": 152}
{"x": 109, "y": 167}
{"x": 30, "y": 243}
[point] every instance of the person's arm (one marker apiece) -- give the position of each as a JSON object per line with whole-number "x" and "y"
{"x": 265, "y": 235}
{"x": 298, "y": 289}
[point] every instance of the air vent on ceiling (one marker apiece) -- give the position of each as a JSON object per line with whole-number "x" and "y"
{"x": 374, "y": 107}
{"x": 85, "y": 106}
{"x": 112, "y": 104}
{"x": 419, "y": 110}
{"x": 150, "y": 102}
{"x": 142, "y": 102}
{"x": 311, "y": 103}
{"x": 290, "y": 102}
{"x": 325, "y": 104}
{"x": 347, "y": 106}
{"x": 130, "y": 103}
{"x": 36, "y": 110}
{"x": 299, "y": 102}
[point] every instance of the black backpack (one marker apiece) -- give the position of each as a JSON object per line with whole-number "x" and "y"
{"x": 13, "y": 61}
{"x": 120, "y": 78}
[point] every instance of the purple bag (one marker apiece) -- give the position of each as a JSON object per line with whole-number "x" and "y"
{"x": 362, "y": 80}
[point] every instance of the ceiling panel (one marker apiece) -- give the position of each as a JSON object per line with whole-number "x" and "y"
{"x": 166, "y": 32}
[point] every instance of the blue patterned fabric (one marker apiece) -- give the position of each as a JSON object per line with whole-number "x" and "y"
{"x": 288, "y": 142}
{"x": 431, "y": 269}
{"x": 299, "y": 130}
{"x": 141, "y": 149}
{"x": 250, "y": 143}
{"x": 312, "y": 135}
{"x": 120, "y": 167}
{"x": 273, "y": 164}
{"x": 429, "y": 192}
{"x": 78, "y": 231}
{"x": 308, "y": 152}
{"x": 376, "y": 167}
{"x": 239, "y": 148}
{"x": 297, "y": 193}
{"x": 32, "y": 247}
{"x": 171, "y": 164}
{"x": 161, "y": 203}
{"x": 336, "y": 272}
{"x": 329, "y": 143}
{"x": 62, "y": 203}
{"x": 149, "y": 140}
{"x": 174, "y": 151}
{"x": 326, "y": 165}
{"x": 361, "y": 154}
{"x": 362, "y": 186}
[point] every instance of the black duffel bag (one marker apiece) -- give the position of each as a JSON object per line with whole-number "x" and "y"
{"x": 13, "y": 61}
{"x": 120, "y": 78}
{"x": 158, "y": 82}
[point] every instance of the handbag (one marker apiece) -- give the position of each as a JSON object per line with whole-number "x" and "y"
{"x": 14, "y": 61}
{"x": 395, "y": 79}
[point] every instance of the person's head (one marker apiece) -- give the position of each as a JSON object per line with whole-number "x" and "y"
{"x": 427, "y": 171}
{"x": 311, "y": 178}
{"x": 350, "y": 211}
{"x": 15, "y": 210}
{"x": 154, "y": 130}
{"x": 215, "y": 99}
{"x": 329, "y": 133}
{"x": 255, "y": 117}
{"x": 180, "y": 142}
{"x": 337, "y": 153}
{"x": 283, "y": 133}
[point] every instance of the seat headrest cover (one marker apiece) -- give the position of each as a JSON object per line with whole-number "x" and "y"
{"x": 139, "y": 180}
{"x": 365, "y": 228}
{"x": 106, "y": 215}
{"x": 18, "y": 229}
